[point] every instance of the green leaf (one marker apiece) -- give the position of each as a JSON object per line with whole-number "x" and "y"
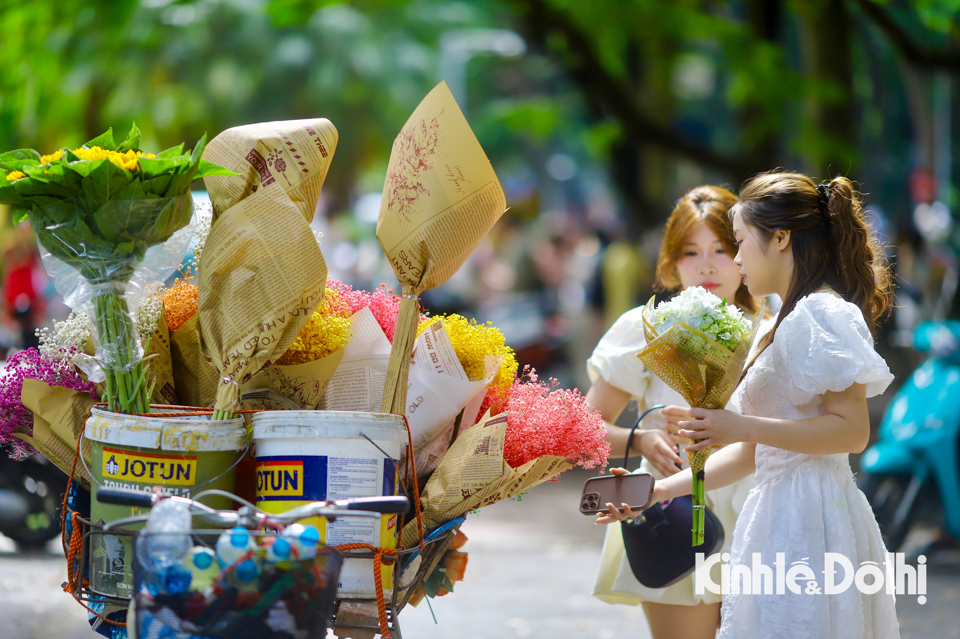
{"x": 150, "y": 169}
{"x": 104, "y": 141}
{"x": 133, "y": 191}
{"x": 446, "y": 583}
{"x": 30, "y": 187}
{"x": 180, "y": 182}
{"x": 175, "y": 215}
{"x": 16, "y": 160}
{"x": 83, "y": 168}
{"x": 431, "y": 588}
{"x": 105, "y": 181}
{"x": 209, "y": 168}
{"x": 198, "y": 150}
{"x": 10, "y": 196}
{"x": 132, "y": 142}
{"x": 157, "y": 186}
{"x": 172, "y": 152}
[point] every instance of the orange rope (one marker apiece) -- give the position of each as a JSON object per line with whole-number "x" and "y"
{"x": 377, "y": 579}
{"x": 188, "y": 411}
{"x": 416, "y": 489}
{"x": 379, "y": 553}
{"x": 73, "y": 549}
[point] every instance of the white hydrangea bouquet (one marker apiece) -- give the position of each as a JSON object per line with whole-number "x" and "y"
{"x": 697, "y": 344}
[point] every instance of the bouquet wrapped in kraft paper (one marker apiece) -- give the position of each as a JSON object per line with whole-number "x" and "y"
{"x": 261, "y": 275}
{"x": 697, "y": 344}
{"x": 474, "y": 474}
{"x": 440, "y": 198}
{"x": 302, "y": 373}
{"x": 59, "y": 414}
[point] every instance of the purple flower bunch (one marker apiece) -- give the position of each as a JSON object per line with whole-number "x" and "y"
{"x": 14, "y": 416}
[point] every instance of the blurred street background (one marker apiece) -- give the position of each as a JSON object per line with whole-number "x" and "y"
{"x": 596, "y": 117}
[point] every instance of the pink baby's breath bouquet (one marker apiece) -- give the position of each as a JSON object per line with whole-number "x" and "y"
{"x": 546, "y": 420}
{"x": 535, "y": 435}
{"x": 15, "y": 418}
{"x": 383, "y": 303}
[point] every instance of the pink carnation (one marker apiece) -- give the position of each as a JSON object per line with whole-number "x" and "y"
{"x": 14, "y": 416}
{"x": 545, "y": 420}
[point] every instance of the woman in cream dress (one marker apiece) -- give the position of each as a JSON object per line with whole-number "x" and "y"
{"x": 697, "y": 250}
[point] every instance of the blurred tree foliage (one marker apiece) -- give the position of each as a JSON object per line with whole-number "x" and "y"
{"x": 638, "y": 85}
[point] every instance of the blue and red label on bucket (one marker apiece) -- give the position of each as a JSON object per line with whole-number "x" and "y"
{"x": 285, "y": 482}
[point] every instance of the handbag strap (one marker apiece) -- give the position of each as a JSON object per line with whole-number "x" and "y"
{"x": 626, "y": 456}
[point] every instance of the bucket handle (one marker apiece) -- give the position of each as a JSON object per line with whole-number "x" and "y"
{"x": 377, "y": 446}
{"x": 192, "y": 489}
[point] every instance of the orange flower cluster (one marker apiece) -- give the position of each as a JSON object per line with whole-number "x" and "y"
{"x": 180, "y": 301}
{"x": 450, "y": 570}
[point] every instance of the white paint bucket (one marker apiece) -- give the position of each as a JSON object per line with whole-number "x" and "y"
{"x": 307, "y": 456}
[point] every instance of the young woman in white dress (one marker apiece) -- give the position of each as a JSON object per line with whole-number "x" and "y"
{"x": 697, "y": 250}
{"x": 804, "y": 409}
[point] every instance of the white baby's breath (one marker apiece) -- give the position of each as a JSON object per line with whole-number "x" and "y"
{"x": 700, "y": 309}
{"x": 148, "y": 316}
{"x": 67, "y": 337}
{"x": 204, "y": 222}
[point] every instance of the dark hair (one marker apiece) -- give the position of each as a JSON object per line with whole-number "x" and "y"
{"x": 708, "y": 205}
{"x": 831, "y": 240}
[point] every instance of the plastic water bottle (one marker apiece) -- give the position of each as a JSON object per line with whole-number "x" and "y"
{"x": 278, "y": 549}
{"x": 234, "y": 544}
{"x": 203, "y": 567}
{"x": 246, "y": 575}
{"x": 166, "y": 537}
{"x": 303, "y": 539}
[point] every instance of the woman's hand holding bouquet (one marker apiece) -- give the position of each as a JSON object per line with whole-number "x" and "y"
{"x": 697, "y": 344}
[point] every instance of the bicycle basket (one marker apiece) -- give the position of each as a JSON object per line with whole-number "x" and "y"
{"x": 290, "y": 599}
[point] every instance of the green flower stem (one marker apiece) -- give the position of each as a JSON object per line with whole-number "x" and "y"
{"x": 697, "y": 462}
{"x": 125, "y": 389}
{"x": 222, "y": 414}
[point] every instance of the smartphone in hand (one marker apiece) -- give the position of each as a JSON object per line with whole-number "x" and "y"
{"x": 635, "y": 490}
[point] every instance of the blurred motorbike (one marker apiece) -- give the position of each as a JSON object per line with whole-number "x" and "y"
{"x": 30, "y": 496}
{"x": 912, "y": 472}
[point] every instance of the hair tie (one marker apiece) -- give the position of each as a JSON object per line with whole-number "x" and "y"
{"x": 824, "y": 191}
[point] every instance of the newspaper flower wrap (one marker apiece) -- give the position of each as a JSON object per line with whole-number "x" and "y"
{"x": 302, "y": 372}
{"x": 697, "y": 344}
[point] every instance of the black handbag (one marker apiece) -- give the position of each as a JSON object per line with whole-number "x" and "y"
{"x": 658, "y": 542}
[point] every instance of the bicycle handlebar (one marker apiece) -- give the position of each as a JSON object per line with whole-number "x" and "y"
{"x": 125, "y": 497}
{"x": 250, "y": 517}
{"x": 399, "y": 505}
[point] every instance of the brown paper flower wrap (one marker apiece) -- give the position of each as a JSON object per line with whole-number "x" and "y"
{"x": 261, "y": 274}
{"x": 704, "y": 372}
{"x": 474, "y": 474}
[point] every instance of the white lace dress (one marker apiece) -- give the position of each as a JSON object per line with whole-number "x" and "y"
{"x": 615, "y": 361}
{"x": 807, "y": 505}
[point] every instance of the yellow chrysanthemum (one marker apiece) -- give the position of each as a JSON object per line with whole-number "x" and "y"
{"x": 15, "y": 175}
{"x": 126, "y": 160}
{"x": 473, "y": 343}
{"x": 327, "y": 331}
{"x": 47, "y": 159}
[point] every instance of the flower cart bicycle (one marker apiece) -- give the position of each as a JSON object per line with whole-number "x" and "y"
{"x": 296, "y": 598}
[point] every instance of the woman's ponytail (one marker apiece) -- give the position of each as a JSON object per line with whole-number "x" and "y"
{"x": 860, "y": 274}
{"x": 831, "y": 241}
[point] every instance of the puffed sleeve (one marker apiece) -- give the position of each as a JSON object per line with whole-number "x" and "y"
{"x": 824, "y": 345}
{"x": 615, "y": 357}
